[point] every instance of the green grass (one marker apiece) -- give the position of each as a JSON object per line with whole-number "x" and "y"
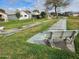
{"x": 16, "y": 47}
{"x": 73, "y": 17}
{"x": 73, "y": 24}
{"x": 19, "y": 23}
{"x": 77, "y": 44}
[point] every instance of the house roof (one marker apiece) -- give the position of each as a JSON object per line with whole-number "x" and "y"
{"x": 36, "y": 11}
{"x": 27, "y": 11}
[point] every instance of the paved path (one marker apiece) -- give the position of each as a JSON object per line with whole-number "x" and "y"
{"x": 60, "y": 25}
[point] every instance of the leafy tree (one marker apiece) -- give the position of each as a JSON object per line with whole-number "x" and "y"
{"x": 43, "y": 14}
{"x": 1, "y": 10}
{"x": 18, "y": 14}
{"x": 56, "y": 3}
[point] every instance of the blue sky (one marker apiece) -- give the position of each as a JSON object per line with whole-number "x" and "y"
{"x": 16, "y": 3}
{"x": 13, "y": 4}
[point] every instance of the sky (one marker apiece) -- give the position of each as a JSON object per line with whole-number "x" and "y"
{"x": 31, "y": 4}
{"x": 74, "y": 6}
{"x": 16, "y": 3}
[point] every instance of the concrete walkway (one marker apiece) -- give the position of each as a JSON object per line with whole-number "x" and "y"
{"x": 60, "y": 25}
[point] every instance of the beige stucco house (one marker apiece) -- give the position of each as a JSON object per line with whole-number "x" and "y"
{"x": 3, "y": 16}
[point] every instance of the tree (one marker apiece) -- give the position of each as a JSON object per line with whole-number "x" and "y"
{"x": 43, "y": 14}
{"x": 1, "y": 10}
{"x": 18, "y": 14}
{"x": 56, "y": 3}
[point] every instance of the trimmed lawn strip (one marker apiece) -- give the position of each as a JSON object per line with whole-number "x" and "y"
{"x": 73, "y": 17}
{"x": 19, "y": 23}
{"x": 77, "y": 44}
{"x": 73, "y": 24}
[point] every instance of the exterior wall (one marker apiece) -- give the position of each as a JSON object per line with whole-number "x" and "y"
{"x": 36, "y": 13}
{"x": 4, "y": 16}
{"x": 24, "y": 15}
{"x": 12, "y": 17}
{"x": 75, "y": 14}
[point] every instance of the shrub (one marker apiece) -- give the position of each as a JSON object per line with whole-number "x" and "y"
{"x": 1, "y": 19}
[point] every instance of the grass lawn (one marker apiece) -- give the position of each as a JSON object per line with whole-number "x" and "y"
{"x": 73, "y": 24}
{"x": 77, "y": 44}
{"x": 16, "y": 47}
{"x": 19, "y": 23}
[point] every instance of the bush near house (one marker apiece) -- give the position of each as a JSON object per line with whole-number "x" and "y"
{"x": 18, "y": 14}
{"x": 43, "y": 14}
{"x": 36, "y": 16}
{"x": 1, "y": 19}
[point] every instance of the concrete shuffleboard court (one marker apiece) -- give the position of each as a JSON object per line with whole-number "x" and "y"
{"x": 56, "y": 36}
{"x": 60, "y": 39}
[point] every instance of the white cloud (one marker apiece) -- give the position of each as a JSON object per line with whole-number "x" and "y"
{"x": 74, "y": 6}
{"x": 12, "y": 1}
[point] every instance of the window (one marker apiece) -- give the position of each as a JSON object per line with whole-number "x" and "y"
{"x": 25, "y": 15}
{"x": 0, "y": 15}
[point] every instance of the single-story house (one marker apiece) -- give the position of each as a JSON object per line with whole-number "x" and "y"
{"x": 25, "y": 15}
{"x": 76, "y": 14}
{"x": 68, "y": 13}
{"x": 36, "y": 14}
{"x": 3, "y": 16}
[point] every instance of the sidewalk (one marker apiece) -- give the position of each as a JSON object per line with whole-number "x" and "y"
{"x": 60, "y": 25}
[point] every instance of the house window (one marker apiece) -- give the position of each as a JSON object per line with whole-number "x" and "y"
{"x": 0, "y": 15}
{"x": 25, "y": 15}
